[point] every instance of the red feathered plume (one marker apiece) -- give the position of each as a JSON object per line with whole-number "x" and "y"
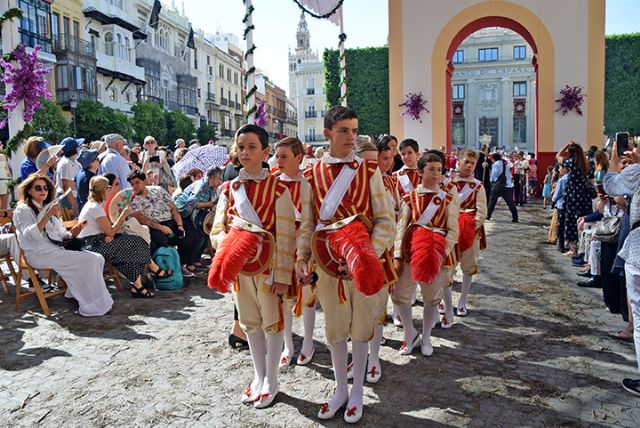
{"x": 428, "y": 251}
{"x": 353, "y": 243}
{"x": 232, "y": 254}
{"x": 467, "y": 227}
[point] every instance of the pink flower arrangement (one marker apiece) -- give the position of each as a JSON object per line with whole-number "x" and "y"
{"x": 414, "y": 105}
{"x": 571, "y": 98}
{"x": 26, "y": 82}
{"x": 262, "y": 118}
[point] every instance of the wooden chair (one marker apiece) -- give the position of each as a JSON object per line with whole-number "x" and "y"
{"x": 9, "y": 261}
{"x": 42, "y": 296}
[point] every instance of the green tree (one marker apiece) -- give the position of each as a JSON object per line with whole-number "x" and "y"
{"x": 49, "y": 122}
{"x": 178, "y": 126}
{"x": 148, "y": 119}
{"x": 622, "y": 85}
{"x": 206, "y": 133}
{"x": 93, "y": 120}
{"x": 367, "y": 86}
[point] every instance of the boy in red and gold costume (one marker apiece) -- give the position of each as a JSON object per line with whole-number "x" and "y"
{"x": 473, "y": 211}
{"x": 288, "y": 157}
{"x": 407, "y": 177}
{"x": 426, "y": 237}
{"x": 350, "y": 227}
{"x": 253, "y": 234}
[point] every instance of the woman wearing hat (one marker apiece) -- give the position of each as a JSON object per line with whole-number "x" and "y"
{"x": 32, "y": 149}
{"x": 68, "y": 168}
{"x": 88, "y": 159}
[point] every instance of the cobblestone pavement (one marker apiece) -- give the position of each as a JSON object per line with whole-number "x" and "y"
{"x": 532, "y": 352}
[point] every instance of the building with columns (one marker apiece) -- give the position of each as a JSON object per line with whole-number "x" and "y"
{"x": 493, "y": 91}
{"x": 306, "y": 86}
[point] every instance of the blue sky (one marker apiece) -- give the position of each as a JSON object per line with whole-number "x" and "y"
{"x": 366, "y": 24}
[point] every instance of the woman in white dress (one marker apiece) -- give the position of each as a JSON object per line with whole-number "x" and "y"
{"x": 36, "y": 228}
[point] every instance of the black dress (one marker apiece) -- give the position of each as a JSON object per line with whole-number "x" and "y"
{"x": 577, "y": 201}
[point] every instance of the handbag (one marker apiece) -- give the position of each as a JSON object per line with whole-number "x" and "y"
{"x": 131, "y": 226}
{"x": 71, "y": 244}
{"x": 608, "y": 229}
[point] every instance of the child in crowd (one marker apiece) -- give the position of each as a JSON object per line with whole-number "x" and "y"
{"x": 253, "y": 234}
{"x": 407, "y": 176}
{"x": 426, "y": 236}
{"x": 546, "y": 188}
{"x": 302, "y": 299}
{"x": 558, "y": 203}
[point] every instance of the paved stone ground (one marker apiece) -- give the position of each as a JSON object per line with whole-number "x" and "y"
{"x": 532, "y": 352}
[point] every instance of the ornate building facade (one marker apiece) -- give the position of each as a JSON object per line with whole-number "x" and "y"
{"x": 493, "y": 91}
{"x": 306, "y": 86}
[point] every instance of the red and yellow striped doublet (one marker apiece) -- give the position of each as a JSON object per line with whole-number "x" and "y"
{"x": 418, "y": 203}
{"x": 413, "y": 175}
{"x": 356, "y": 200}
{"x": 471, "y": 204}
{"x": 262, "y": 195}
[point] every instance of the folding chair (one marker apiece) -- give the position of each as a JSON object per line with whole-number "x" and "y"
{"x": 9, "y": 261}
{"x": 37, "y": 290}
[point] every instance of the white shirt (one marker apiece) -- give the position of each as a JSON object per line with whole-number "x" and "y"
{"x": 91, "y": 212}
{"x": 66, "y": 170}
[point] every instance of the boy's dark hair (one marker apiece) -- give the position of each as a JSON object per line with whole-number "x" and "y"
{"x": 428, "y": 158}
{"x": 386, "y": 139}
{"x": 382, "y": 146}
{"x": 410, "y": 142}
{"x": 337, "y": 113}
{"x": 441, "y": 155}
{"x": 214, "y": 171}
{"x": 254, "y": 129}
{"x": 136, "y": 174}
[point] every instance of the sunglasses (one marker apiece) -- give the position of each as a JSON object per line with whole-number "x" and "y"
{"x": 39, "y": 188}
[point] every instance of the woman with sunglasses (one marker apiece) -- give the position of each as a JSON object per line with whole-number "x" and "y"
{"x": 37, "y": 226}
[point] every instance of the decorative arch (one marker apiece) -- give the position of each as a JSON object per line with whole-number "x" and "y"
{"x": 495, "y": 14}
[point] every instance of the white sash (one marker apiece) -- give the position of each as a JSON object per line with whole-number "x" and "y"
{"x": 336, "y": 192}
{"x": 467, "y": 191}
{"x": 243, "y": 206}
{"x": 432, "y": 208}
{"x": 406, "y": 184}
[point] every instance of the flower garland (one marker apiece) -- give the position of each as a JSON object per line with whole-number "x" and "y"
{"x": 249, "y": 55}
{"x": 315, "y": 15}
{"x": 26, "y": 81}
{"x": 413, "y": 105}
{"x": 571, "y": 98}
{"x": 262, "y": 118}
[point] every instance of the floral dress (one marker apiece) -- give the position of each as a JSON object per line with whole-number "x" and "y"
{"x": 577, "y": 201}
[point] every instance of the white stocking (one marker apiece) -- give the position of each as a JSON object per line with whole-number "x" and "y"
{"x": 359, "y": 352}
{"x": 409, "y": 330}
{"x": 429, "y": 319}
{"x": 258, "y": 349}
{"x": 374, "y": 348}
{"x": 274, "y": 348}
{"x": 309, "y": 319}
{"x": 339, "y": 355}
{"x": 288, "y": 334}
{"x": 466, "y": 285}
{"x": 448, "y": 304}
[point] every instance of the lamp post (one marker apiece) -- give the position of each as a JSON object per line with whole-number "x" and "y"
{"x": 73, "y": 103}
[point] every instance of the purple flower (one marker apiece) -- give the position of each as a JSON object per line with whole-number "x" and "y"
{"x": 26, "y": 81}
{"x": 414, "y": 105}
{"x": 571, "y": 98}
{"x": 262, "y": 118}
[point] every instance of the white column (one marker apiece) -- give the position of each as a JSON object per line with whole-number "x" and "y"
{"x": 531, "y": 113}
{"x": 470, "y": 119}
{"x": 506, "y": 114}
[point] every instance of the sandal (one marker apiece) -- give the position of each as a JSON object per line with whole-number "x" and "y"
{"x": 621, "y": 335}
{"x": 141, "y": 293}
{"x": 237, "y": 343}
{"x": 162, "y": 273}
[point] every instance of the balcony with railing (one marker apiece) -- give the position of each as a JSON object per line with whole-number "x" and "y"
{"x": 224, "y": 101}
{"x": 153, "y": 98}
{"x": 189, "y": 110}
{"x": 210, "y": 98}
{"x": 227, "y": 133}
{"x": 310, "y": 114}
{"x": 311, "y": 91}
{"x": 314, "y": 137}
{"x": 67, "y": 43}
